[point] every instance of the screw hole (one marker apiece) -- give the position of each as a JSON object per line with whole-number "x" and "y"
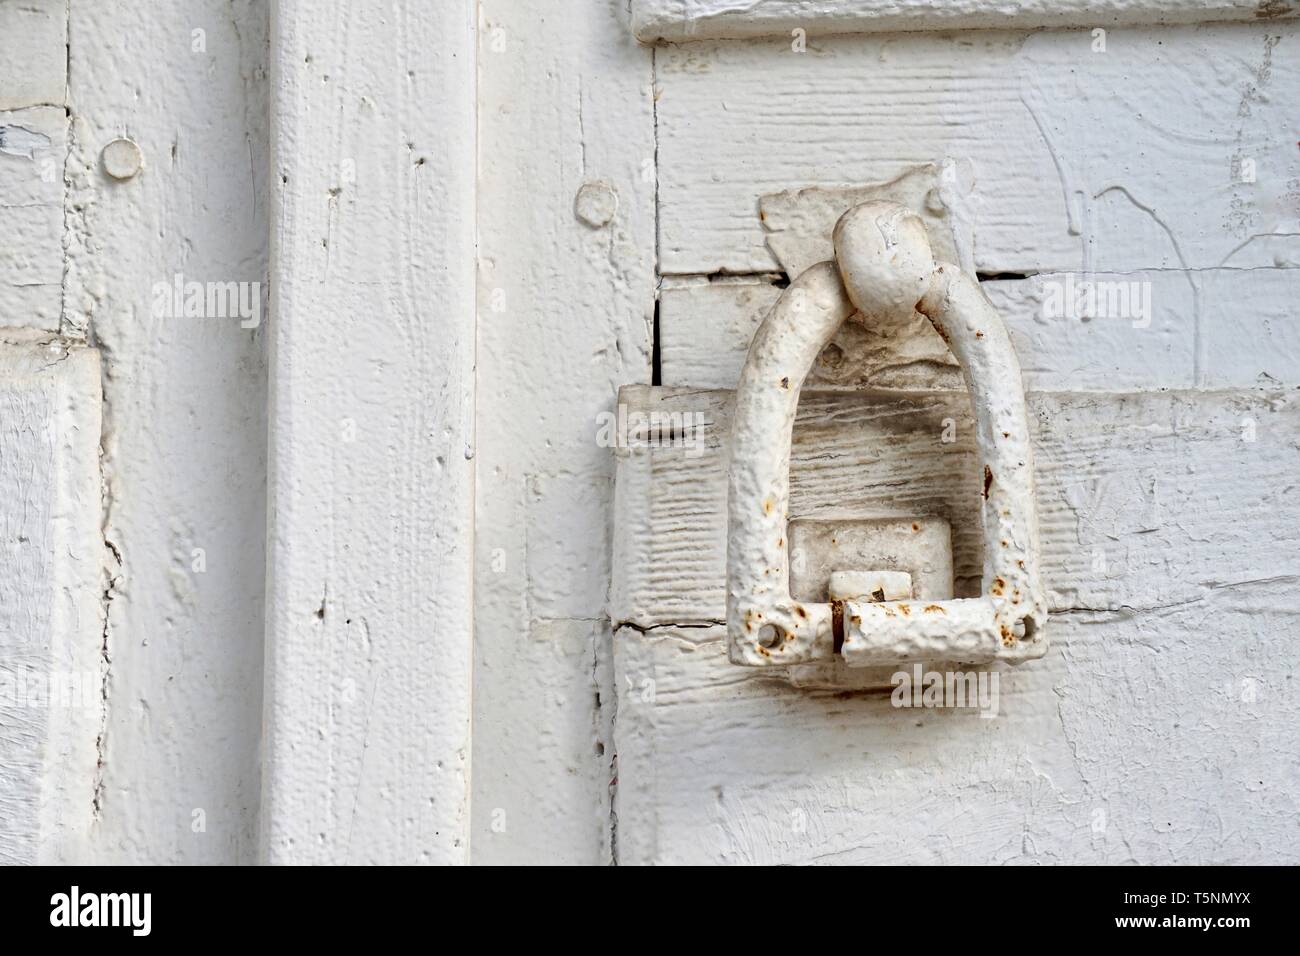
{"x": 1024, "y": 629}
{"x": 769, "y": 636}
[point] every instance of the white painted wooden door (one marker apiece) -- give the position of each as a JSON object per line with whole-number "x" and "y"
{"x": 1132, "y": 214}
{"x": 379, "y": 577}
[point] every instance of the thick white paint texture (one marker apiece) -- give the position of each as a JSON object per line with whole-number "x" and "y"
{"x": 184, "y": 436}
{"x": 52, "y": 670}
{"x": 1159, "y": 728}
{"x": 1164, "y": 615}
{"x": 1165, "y": 612}
{"x": 33, "y": 65}
{"x": 33, "y": 144}
{"x": 1112, "y": 161}
{"x": 370, "y": 614}
{"x": 565, "y": 318}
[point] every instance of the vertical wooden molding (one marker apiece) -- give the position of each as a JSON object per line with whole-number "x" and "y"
{"x": 52, "y": 576}
{"x": 369, "y": 594}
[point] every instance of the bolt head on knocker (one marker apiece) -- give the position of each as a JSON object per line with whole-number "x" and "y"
{"x": 884, "y": 259}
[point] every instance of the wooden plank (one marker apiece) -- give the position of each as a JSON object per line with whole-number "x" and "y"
{"x": 52, "y": 691}
{"x": 33, "y": 145}
{"x": 184, "y": 443}
{"x": 705, "y": 327}
{"x": 566, "y": 308}
{"x": 1219, "y": 328}
{"x": 1158, "y": 736}
{"x": 33, "y": 53}
{"x": 1126, "y": 520}
{"x": 675, "y": 21}
{"x": 370, "y": 625}
{"x": 1060, "y": 159}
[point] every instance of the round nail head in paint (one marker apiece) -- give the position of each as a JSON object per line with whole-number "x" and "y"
{"x": 596, "y": 204}
{"x": 122, "y": 158}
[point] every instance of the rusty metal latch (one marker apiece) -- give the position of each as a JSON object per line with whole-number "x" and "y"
{"x": 883, "y": 266}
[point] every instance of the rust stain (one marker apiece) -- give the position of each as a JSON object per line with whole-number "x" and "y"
{"x": 934, "y": 609}
{"x": 905, "y": 610}
{"x": 998, "y": 586}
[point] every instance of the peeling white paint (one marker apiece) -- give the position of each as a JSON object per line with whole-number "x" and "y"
{"x": 20, "y": 141}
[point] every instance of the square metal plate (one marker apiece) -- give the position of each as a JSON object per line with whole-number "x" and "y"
{"x": 920, "y": 546}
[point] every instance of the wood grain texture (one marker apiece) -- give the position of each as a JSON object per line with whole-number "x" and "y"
{"x": 51, "y": 620}
{"x": 1154, "y": 492}
{"x": 1144, "y": 737}
{"x": 565, "y": 316}
{"x": 1074, "y": 170}
{"x": 369, "y": 611}
{"x": 1170, "y": 556}
{"x": 1144, "y": 500}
